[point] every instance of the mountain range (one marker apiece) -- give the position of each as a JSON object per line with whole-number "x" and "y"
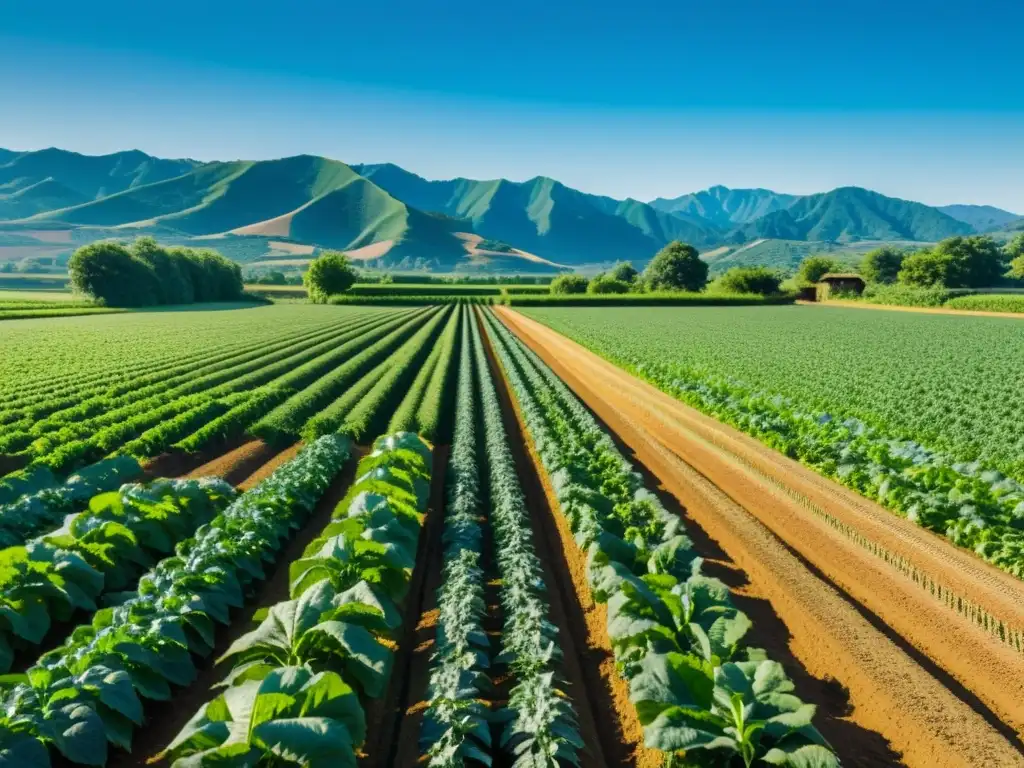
{"x": 383, "y": 215}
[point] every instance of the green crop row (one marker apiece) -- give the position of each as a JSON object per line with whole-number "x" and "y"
{"x": 540, "y": 726}
{"x": 298, "y": 692}
{"x": 456, "y": 726}
{"x": 89, "y": 691}
{"x": 702, "y": 696}
{"x": 354, "y": 412}
{"x": 100, "y": 551}
{"x": 283, "y": 424}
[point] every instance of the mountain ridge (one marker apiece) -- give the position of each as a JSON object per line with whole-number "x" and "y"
{"x": 388, "y": 215}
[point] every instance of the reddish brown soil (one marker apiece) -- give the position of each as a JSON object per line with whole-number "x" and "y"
{"x": 394, "y": 732}
{"x": 850, "y": 614}
{"x": 176, "y": 463}
{"x": 165, "y": 719}
{"x": 262, "y": 463}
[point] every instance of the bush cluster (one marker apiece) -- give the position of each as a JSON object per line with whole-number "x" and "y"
{"x": 148, "y": 274}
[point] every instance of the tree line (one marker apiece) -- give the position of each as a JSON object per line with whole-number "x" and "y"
{"x": 146, "y": 274}
{"x": 976, "y": 261}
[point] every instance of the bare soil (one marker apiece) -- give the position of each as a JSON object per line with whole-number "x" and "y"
{"x": 238, "y": 463}
{"x": 941, "y": 689}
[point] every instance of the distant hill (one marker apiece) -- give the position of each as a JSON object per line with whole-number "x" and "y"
{"x": 383, "y": 215}
{"x": 726, "y": 207}
{"x": 852, "y": 213}
{"x": 546, "y": 217}
{"x": 984, "y": 218}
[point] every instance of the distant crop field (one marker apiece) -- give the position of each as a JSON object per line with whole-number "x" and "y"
{"x": 951, "y": 383}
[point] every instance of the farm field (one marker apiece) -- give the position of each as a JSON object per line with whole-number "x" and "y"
{"x": 446, "y": 535}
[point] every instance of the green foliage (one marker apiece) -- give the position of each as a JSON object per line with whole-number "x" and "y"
{"x": 989, "y": 302}
{"x": 658, "y": 299}
{"x": 624, "y": 271}
{"x": 882, "y": 265}
{"x": 750, "y": 280}
{"x": 676, "y": 637}
{"x": 1014, "y": 250}
{"x": 328, "y": 274}
{"x": 676, "y": 267}
{"x": 147, "y": 274}
{"x": 843, "y": 408}
{"x": 904, "y": 295}
{"x": 813, "y": 267}
{"x": 88, "y": 691}
{"x": 564, "y": 284}
{"x": 958, "y": 262}
{"x": 604, "y": 284}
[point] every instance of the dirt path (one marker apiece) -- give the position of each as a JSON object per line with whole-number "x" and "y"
{"x": 836, "y": 591}
{"x": 922, "y": 310}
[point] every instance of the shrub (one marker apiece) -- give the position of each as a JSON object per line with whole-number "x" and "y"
{"x": 569, "y": 284}
{"x": 110, "y": 273}
{"x": 607, "y": 284}
{"x": 903, "y": 295}
{"x": 624, "y": 271}
{"x": 328, "y": 275}
{"x": 676, "y": 267}
{"x": 882, "y": 265}
{"x": 813, "y": 267}
{"x": 759, "y": 280}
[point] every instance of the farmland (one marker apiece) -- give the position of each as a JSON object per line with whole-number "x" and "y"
{"x": 444, "y": 534}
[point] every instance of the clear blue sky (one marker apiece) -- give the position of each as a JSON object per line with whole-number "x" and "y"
{"x": 923, "y": 100}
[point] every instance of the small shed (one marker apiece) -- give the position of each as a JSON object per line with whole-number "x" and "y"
{"x": 833, "y": 283}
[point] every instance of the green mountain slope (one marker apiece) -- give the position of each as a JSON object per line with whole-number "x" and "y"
{"x": 88, "y": 177}
{"x": 984, "y": 218}
{"x": 851, "y": 213}
{"x": 545, "y": 217}
{"x": 726, "y": 207}
{"x": 44, "y": 195}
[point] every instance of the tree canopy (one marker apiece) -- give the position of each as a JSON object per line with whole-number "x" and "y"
{"x": 760, "y": 280}
{"x": 882, "y": 265}
{"x": 147, "y": 274}
{"x": 329, "y": 273}
{"x": 569, "y": 284}
{"x": 624, "y": 271}
{"x": 676, "y": 267}
{"x": 813, "y": 267}
{"x": 957, "y": 262}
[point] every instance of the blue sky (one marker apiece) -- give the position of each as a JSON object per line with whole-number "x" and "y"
{"x": 917, "y": 100}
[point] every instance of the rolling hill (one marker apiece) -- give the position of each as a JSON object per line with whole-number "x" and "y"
{"x": 984, "y": 218}
{"x": 387, "y": 216}
{"x": 852, "y": 213}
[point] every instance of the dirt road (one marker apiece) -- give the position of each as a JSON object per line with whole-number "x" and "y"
{"x": 926, "y": 638}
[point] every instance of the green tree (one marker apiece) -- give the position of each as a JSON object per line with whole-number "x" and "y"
{"x": 607, "y": 284}
{"x": 1014, "y": 251}
{"x": 173, "y": 281}
{"x": 813, "y": 267}
{"x": 882, "y": 265}
{"x": 676, "y": 267}
{"x": 569, "y": 284}
{"x": 110, "y": 273}
{"x": 624, "y": 271}
{"x": 760, "y": 280}
{"x": 926, "y": 269}
{"x": 329, "y": 273}
{"x": 976, "y": 261}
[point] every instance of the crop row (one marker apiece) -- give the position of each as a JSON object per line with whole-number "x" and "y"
{"x": 540, "y": 726}
{"x": 973, "y": 506}
{"x": 89, "y": 691}
{"x": 700, "y": 693}
{"x": 298, "y": 681}
{"x": 97, "y": 552}
{"x": 456, "y": 722}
